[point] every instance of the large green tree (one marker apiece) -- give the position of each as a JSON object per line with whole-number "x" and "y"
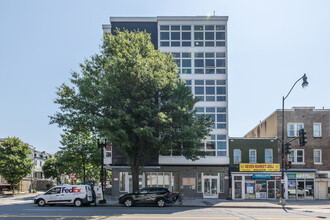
{"x": 131, "y": 93}
{"x": 79, "y": 155}
{"x": 15, "y": 162}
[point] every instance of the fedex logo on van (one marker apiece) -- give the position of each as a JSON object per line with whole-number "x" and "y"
{"x": 72, "y": 190}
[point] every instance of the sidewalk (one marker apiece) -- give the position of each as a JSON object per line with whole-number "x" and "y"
{"x": 222, "y": 203}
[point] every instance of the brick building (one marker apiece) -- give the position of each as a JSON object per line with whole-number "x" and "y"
{"x": 310, "y": 172}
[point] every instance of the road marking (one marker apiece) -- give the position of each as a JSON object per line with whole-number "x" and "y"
{"x": 42, "y": 209}
{"x": 107, "y": 217}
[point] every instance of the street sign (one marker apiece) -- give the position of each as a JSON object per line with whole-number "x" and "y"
{"x": 72, "y": 176}
{"x": 62, "y": 178}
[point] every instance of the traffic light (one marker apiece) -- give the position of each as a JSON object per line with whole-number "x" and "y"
{"x": 288, "y": 148}
{"x": 302, "y": 137}
{"x": 287, "y": 165}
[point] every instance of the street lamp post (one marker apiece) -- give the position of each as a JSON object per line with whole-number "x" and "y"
{"x": 102, "y": 146}
{"x": 304, "y": 84}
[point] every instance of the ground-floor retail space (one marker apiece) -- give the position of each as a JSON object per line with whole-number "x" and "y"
{"x": 298, "y": 185}
{"x": 192, "y": 181}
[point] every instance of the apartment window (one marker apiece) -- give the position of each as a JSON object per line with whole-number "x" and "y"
{"x": 293, "y": 129}
{"x": 217, "y": 114}
{"x": 268, "y": 155}
{"x": 108, "y": 151}
{"x": 253, "y": 155}
{"x": 297, "y": 156}
{"x": 317, "y": 156}
{"x": 209, "y": 35}
{"x": 317, "y": 130}
{"x": 210, "y": 90}
{"x": 237, "y": 156}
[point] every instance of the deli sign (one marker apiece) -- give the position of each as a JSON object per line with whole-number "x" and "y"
{"x": 259, "y": 167}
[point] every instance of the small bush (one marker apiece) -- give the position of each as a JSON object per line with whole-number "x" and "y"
{"x": 48, "y": 185}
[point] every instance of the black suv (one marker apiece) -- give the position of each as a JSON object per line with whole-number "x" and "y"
{"x": 155, "y": 195}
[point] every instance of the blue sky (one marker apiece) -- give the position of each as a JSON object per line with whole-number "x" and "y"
{"x": 270, "y": 45}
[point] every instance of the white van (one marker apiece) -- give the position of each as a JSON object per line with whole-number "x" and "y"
{"x": 74, "y": 194}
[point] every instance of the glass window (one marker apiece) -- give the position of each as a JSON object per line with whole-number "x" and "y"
{"x": 221, "y": 118}
{"x": 220, "y": 44}
{"x": 253, "y": 155}
{"x": 209, "y": 27}
{"x": 186, "y": 27}
{"x": 221, "y": 55}
{"x": 317, "y": 130}
{"x": 164, "y": 27}
{"x": 186, "y": 63}
{"x": 220, "y": 27}
{"x": 164, "y": 36}
{"x": 175, "y": 44}
{"x": 199, "y": 55}
{"x": 175, "y": 36}
{"x": 209, "y": 44}
{"x": 209, "y": 55}
{"x": 164, "y": 44}
{"x": 293, "y": 129}
{"x": 221, "y": 71}
{"x": 199, "y": 44}
{"x": 199, "y": 71}
{"x": 209, "y": 62}
{"x": 221, "y": 90}
{"x": 209, "y": 71}
{"x": 221, "y": 82}
{"x": 221, "y": 63}
{"x": 209, "y": 109}
{"x": 188, "y": 82}
{"x": 175, "y": 27}
{"x": 221, "y": 145}
{"x": 210, "y": 82}
{"x": 199, "y": 63}
{"x": 208, "y": 36}
{"x": 199, "y": 82}
{"x": 199, "y": 36}
{"x": 317, "y": 156}
{"x": 186, "y": 44}
{"x": 199, "y": 182}
{"x": 268, "y": 156}
{"x": 198, "y": 27}
{"x": 220, "y": 35}
{"x": 300, "y": 156}
{"x": 122, "y": 176}
{"x": 199, "y": 90}
{"x": 186, "y": 36}
{"x": 237, "y": 156}
{"x": 186, "y": 71}
{"x": 186, "y": 55}
{"x": 210, "y": 90}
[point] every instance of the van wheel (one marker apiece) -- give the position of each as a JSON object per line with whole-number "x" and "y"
{"x": 41, "y": 202}
{"x": 128, "y": 202}
{"x": 77, "y": 202}
{"x": 160, "y": 202}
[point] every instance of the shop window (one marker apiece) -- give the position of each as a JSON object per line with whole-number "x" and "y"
{"x": 199, "y": 182}
{"x": 122, "y": 176}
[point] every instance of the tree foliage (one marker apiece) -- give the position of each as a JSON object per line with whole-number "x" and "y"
{"x": 50, "y": 169}
{"x": 15, "y": 163}
{"x": 131, "y": 93}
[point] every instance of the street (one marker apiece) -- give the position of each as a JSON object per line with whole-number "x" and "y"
{"x": 23, "y": 208}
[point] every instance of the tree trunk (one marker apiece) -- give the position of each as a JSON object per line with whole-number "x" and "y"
{"x": 13, "y": 187}
{"x": 135, "y": 176}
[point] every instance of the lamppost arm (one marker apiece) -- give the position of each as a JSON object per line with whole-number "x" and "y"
{"x": 304, "y": 84}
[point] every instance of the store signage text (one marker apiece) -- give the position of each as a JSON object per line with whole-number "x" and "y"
{"x": 259, "y": 167}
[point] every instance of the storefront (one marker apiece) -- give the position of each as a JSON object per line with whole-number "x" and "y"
{"x": 300, "y": 184}
{"x": 256, "y": 181}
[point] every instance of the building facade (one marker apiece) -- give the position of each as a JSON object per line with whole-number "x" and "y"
{"x": 254, "y": 171}
{"x": 199, "y": 45}
{"x": 309, "y": 175}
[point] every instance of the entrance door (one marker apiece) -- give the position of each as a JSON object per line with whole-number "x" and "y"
{"x": 271, "y": 189}
{"x": 210, "y": 187}
{"x": 301, "y": 189}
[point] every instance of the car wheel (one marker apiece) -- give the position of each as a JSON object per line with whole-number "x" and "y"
{"x": 161, "y": 202}
{"x": 41, "y": 202}
{"x": 77, "y": 202}
{"x": 128, "y": 202}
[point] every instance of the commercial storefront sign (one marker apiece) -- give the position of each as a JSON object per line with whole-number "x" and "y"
{"x": 261, "y": 176}
{"x": 259, "y": 167}
{"x": 300, "y": 176}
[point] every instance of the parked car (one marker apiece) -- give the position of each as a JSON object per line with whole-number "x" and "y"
{"x": 66, "y": 194}
{"x": 300, "y": 191}
{"x": 152, "y": 195}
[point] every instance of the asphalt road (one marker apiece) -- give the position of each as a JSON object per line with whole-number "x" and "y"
{"x": 23, "y": 208}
